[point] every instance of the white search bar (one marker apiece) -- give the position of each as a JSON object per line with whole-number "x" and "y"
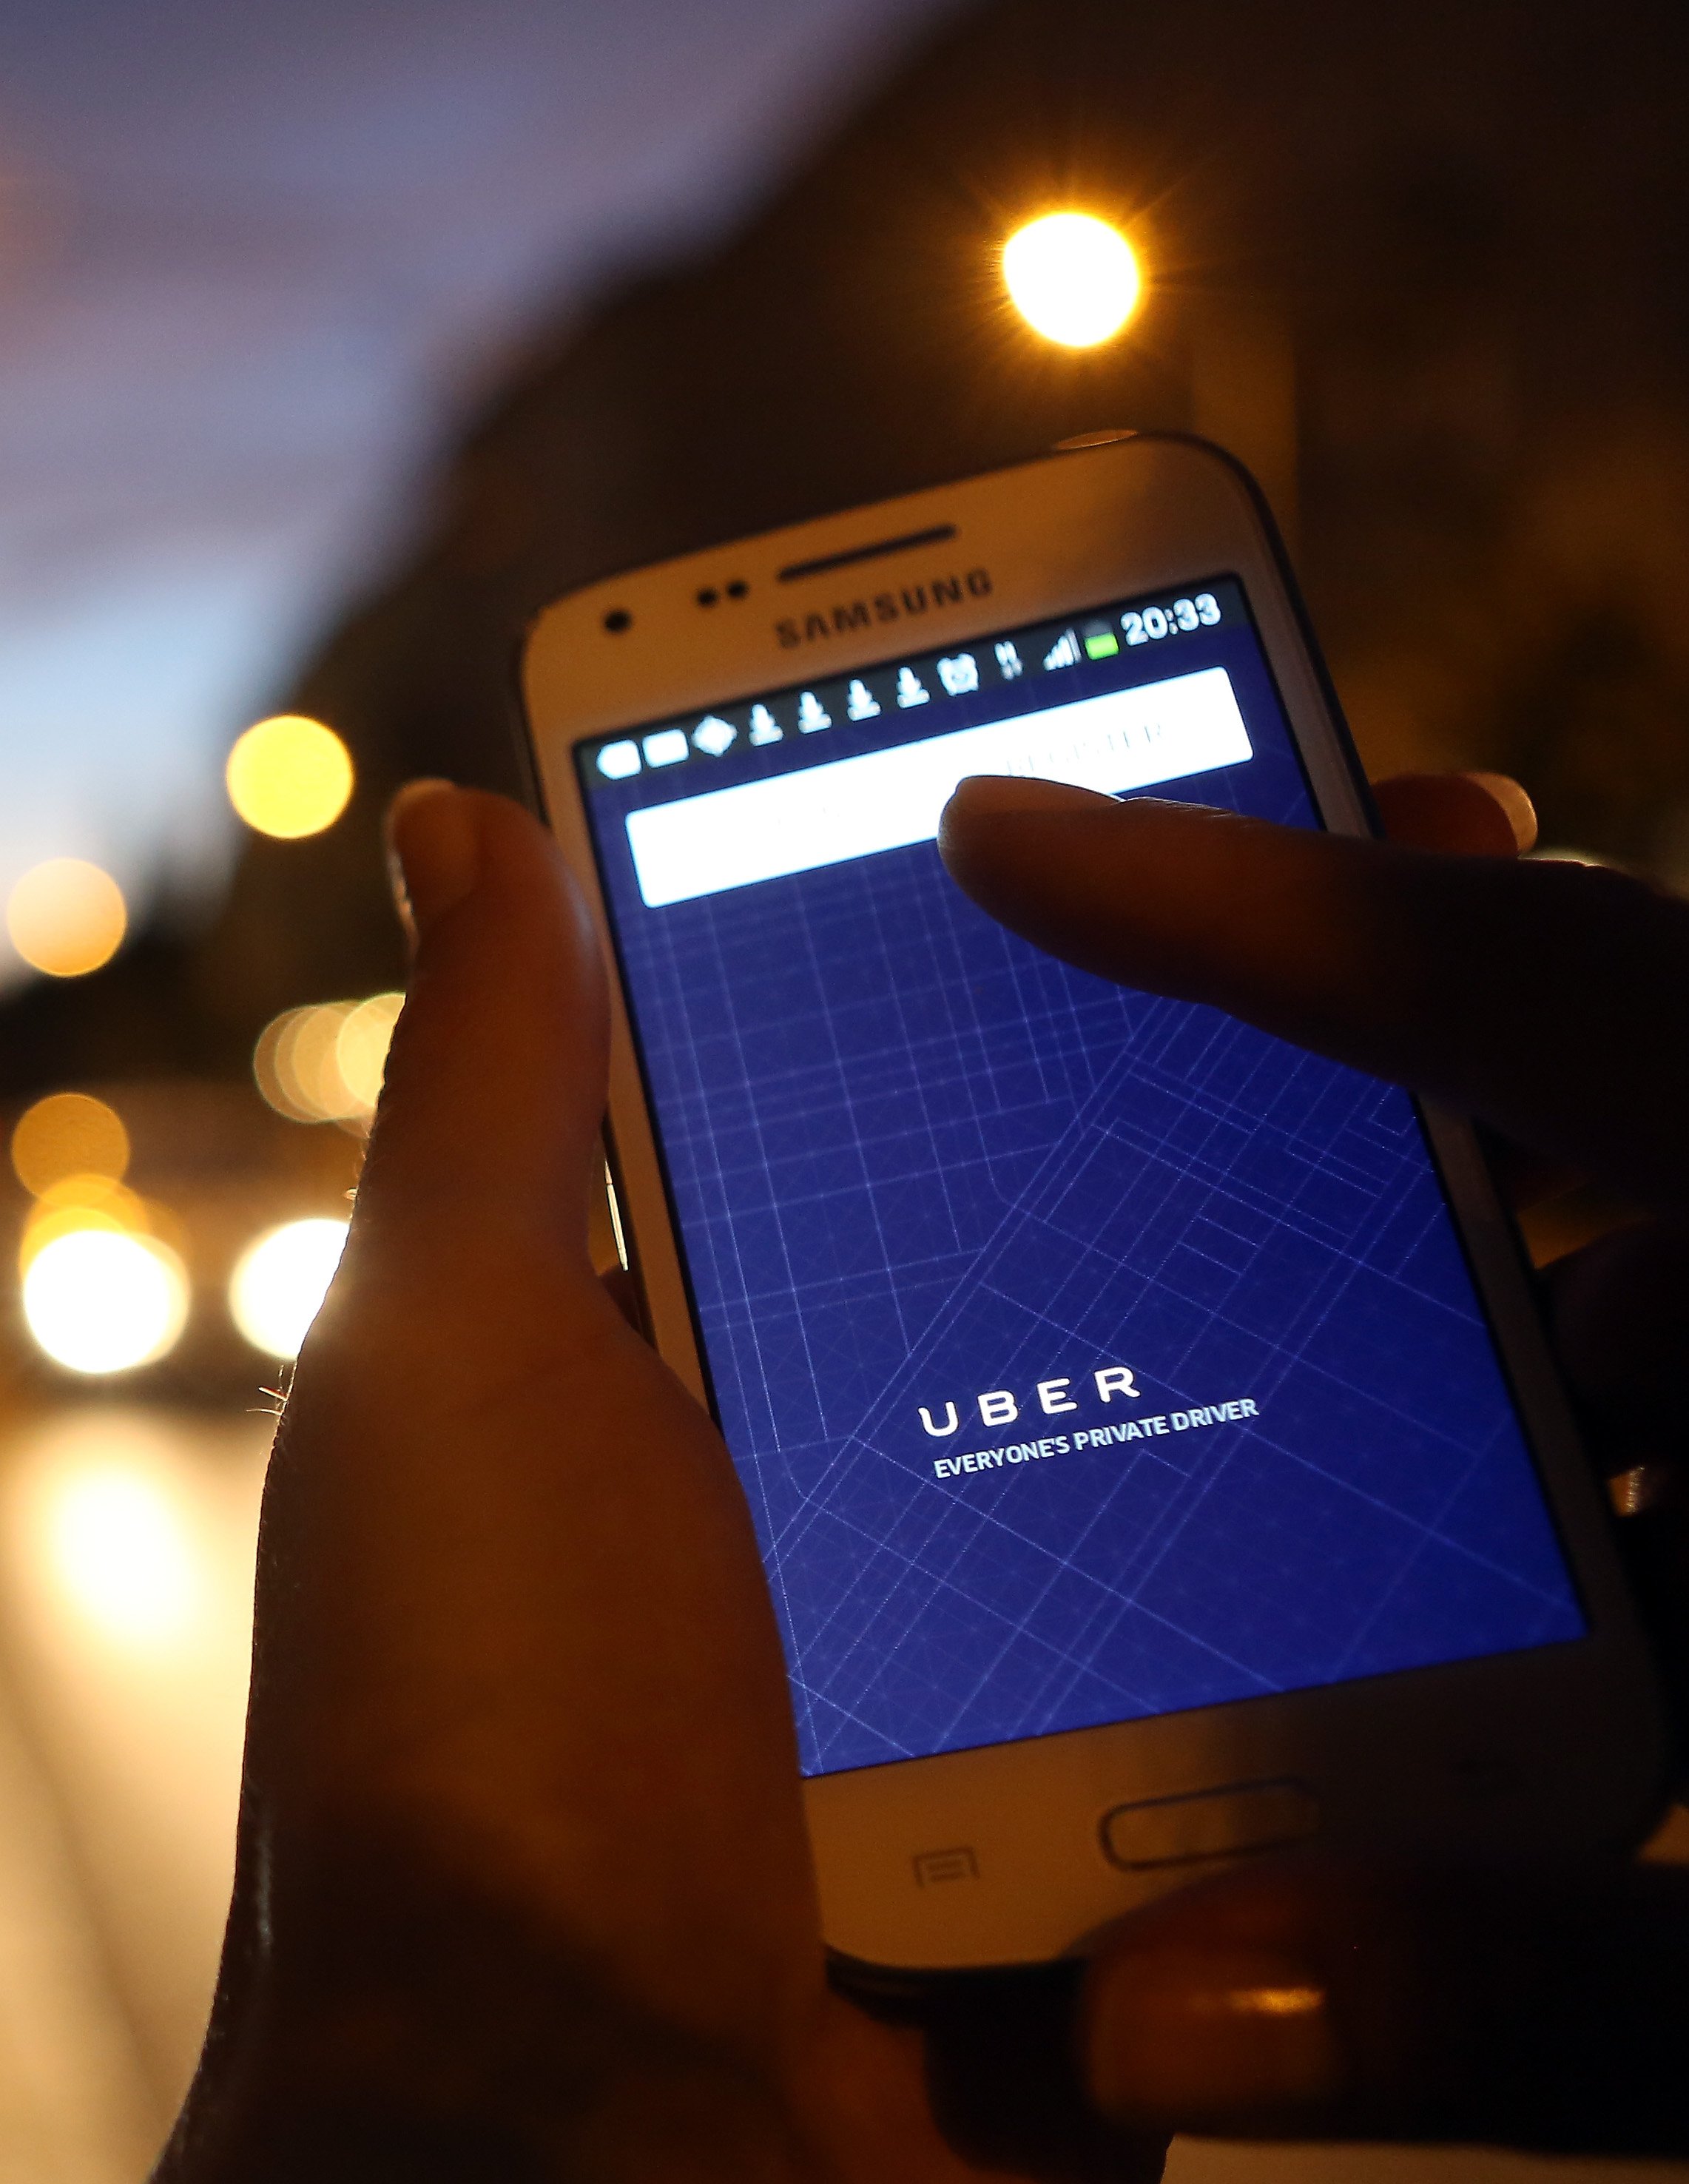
{"x": 826, "y": 815}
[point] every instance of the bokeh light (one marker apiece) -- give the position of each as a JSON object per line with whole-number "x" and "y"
{"x": 67, "y": 1134}
{"x": 119, "y": 1554}
{"x": 307, "y": 1061}
{"x": 289, "y": 775}
{"x": 360, "y": 1048}
{"x": 98, "y": 1300}
{"x": 278, "y": 1285}
{"x": 66, "y": 918}
{"x": 323, "y": 1063}
{"x": 1072, "y": 277}
{"x": 273, "y": 1069}
{"x": 82, "y": 1201}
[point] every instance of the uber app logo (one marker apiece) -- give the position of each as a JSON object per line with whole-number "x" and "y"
{"x": 999, "y": 1406}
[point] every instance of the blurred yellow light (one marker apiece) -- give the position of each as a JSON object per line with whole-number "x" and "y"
{"x": 81, "y": 1202}
{"x": 276, "y": 1035}
{"x": 323, "y": 1063}
{"x": 97, "y": 1300}
{"x": 360, "y": 1048}
{"x": 289, "y": 775}
{"x": 119, "y": 1551}
{"x": 309, "y": 1062}
{"x": 67, "y": 1134}
{"x": 278, "y": 1286}
{"x": 1073, "y": 278}
{"x": 66, "y": 918}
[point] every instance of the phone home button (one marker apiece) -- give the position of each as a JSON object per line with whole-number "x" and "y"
{"x": 1203, "y": 1824}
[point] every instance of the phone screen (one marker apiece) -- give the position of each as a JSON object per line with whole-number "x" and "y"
{"x": 1084, "y": 1355}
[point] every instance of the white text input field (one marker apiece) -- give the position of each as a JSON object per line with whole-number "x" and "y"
{"x": 888, "y": 799}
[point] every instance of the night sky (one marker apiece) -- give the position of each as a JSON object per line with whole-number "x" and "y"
{"x": 253, "y": 260}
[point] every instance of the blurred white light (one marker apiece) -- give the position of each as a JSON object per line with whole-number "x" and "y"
{"x": 98, "y": 1301}
{"x": 278, "y": 1289}
{"x": 1073, "y": 278}
{"x": 119, "y": 1552}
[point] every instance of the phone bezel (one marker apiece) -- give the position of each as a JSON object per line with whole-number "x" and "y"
{"x": 1559, "y": 1748}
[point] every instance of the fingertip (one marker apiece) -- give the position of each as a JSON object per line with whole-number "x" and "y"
{"x": 1213, "y": 2010}
{"x": 967, "y": 825}
{"x": 433, "y": 851}
{"x": 1195, "y": 2037}
{"x": 1516, "y": 806}
{"x": 1472, "y": 814}
{"x": 992, "y": 795}
{"x": 446, "y": 843}
{"x": 495, "y": 1082}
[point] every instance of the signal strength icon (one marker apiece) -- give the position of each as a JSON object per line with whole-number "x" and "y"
{"x": 1065, "y": 652}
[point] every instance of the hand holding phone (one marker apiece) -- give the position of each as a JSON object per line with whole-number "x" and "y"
{"x": 495, "y": 1713}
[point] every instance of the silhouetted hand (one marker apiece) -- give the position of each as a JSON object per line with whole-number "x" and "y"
{"x": 524, "y": 1891}
{"x": 1302, "y": 1998}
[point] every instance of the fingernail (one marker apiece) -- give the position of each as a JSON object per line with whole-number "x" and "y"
{"x": 433, "y": 851}
{"x": 1516, "y": 802}
{"x": 983, "y": 795}
{"x": 1196, "y": 2038}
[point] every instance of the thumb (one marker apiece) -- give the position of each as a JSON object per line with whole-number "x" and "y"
{"x": 495, "y": 1081}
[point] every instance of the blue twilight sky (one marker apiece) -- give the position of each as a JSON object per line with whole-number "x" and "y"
{"x": 251, "y": 259}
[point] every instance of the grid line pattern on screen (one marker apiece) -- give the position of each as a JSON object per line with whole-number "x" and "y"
{"x": 916, "y": 1162}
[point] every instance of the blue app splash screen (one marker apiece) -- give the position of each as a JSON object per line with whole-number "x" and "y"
{"x": 1084, "y": 1355}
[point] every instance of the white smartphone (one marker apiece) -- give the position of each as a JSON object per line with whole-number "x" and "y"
{"x": 1151, "y": 1442}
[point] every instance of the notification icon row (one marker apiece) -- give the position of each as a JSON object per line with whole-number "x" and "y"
{"x": 954, "y": 675}
{"x": 957, "y": 676}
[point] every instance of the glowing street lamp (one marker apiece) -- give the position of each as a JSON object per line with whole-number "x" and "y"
{"x": 1072, "y": 277}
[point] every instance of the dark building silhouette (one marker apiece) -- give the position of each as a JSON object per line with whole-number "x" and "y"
{"x": 1425, "y": 269}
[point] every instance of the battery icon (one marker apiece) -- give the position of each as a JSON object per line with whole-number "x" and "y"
{"x": 1101, "y": 642}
